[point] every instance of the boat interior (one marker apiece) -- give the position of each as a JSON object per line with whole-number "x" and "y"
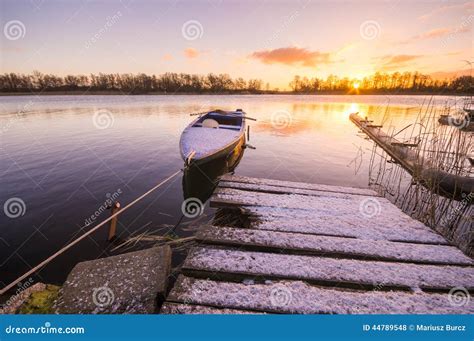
{"x": 218, "y": 120}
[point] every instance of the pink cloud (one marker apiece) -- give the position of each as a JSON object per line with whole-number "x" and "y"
{"x": 167, "y": 57}
{"x": 191, "y": 53}
{"x": 392, "y": 62}
{"x": 292, "y": 56}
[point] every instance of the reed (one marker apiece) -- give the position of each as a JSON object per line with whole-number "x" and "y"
{"x": 445, "y": 147}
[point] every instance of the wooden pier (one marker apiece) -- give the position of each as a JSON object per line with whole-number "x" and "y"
{"x": 309, "y": 248}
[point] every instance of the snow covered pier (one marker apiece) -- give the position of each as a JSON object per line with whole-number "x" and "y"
{"x": 307, "y": 248}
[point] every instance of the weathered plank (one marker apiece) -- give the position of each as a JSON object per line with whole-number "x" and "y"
{"x": 328, "y": 271}
{"x": 404, "y": 229}
{"x": 317, "y": 249}
{"x": 393, "y": 218}
{"x": 302, "y": 298}
{"x": 295, "y": 243}
{"x": 297, "y": 185}
{"x": 337, "y": 192}
{"x": 363, "y": 207}
{"x": 275, "y": 199}
{"x": 184, "y": 308}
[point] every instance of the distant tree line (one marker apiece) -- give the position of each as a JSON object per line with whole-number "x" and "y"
{"x": 128, "y": 83}
{"x": 406, "y": 82}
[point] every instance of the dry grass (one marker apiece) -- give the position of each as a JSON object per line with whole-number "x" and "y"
{"x": 443, "y": 147}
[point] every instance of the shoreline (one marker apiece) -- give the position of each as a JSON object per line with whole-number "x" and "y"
{"x": 289, "y": 93}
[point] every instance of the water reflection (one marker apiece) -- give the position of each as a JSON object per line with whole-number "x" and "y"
{"x": 62, "y": 166}
{"x": 200, "y": 181}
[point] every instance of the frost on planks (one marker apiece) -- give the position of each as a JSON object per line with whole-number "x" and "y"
{"x": 327, "y": 245}
{"x": 302, "y": 298}
{"x": 329, "y": 271}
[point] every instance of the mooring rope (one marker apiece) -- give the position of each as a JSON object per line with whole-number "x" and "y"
{"x": 68, "y": 246}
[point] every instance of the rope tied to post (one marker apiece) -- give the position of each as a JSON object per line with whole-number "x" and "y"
{"x": 95, "y": 228}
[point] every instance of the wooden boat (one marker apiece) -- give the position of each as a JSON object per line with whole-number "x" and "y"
{"x": 215, "y": 134}
{"x": 469, "y": 108}
{"x": 463, "y": 122}
{"x": 200, "y": 181}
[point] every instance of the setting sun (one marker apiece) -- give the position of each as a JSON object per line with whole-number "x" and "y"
{"x": 356, "y": 85}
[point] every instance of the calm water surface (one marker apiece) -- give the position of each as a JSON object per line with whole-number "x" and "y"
{"x": 54, "y": 157}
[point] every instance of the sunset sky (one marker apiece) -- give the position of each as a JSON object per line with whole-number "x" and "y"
{"x": 271, "y": 40}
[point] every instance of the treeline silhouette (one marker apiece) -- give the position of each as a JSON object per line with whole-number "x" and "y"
{"x": 170, "y": 83}
{"x": 128, "y": 83}
{"x": 406, "y": 82}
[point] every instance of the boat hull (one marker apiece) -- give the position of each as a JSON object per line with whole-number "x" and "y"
{"x": 199, "y": 145}
{"x": 223, "y": 153}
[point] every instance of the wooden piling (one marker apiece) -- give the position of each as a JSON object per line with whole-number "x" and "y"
{"x": 424, "y": 170}
{"x": 113, "y": 222}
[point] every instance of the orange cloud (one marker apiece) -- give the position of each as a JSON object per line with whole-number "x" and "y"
{"x": 167, "y": 57}
{"x": 392, "y": 62}
{"x": 191, "y": 53}
{"x": 292, "y": 56}
{"x": 439, "y": 32}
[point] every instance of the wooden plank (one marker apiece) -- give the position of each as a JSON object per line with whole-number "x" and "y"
{"x": 248, "y": 196}
{"x": 339, "y": 191}
{"x": 300, "y": 185}
{"x": 182, "y": 308}
{"x": 302, "y": 298}
{"x": 340, "y": 228}
{"x": 365, "y": 217}
{"x": 327, "y": 271}
{"x": 295, "y": 243}
{"x": 390, "y": 219}
{"x": 329, "y": 203}
{"x": 403, "y": 229}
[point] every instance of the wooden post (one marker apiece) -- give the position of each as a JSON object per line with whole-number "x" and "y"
{"x": 113, "y": 222}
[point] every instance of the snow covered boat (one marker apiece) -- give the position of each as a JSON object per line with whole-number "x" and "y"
{"x": 215, "y": 134}
{"x": 469, "y": 108}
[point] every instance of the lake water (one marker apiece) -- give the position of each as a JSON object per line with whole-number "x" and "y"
{"x": 64, "y": 156}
